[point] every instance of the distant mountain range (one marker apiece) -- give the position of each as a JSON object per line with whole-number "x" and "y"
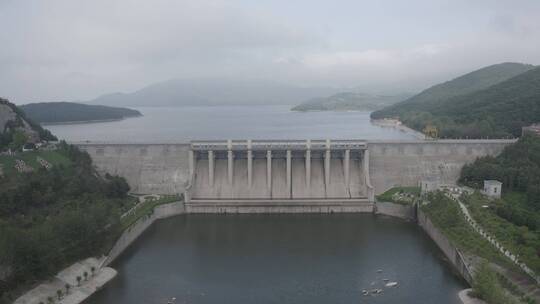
{"x": 205, "y": 92}
{"x": 494, "y": 101}
{"x": 65, "y": 112}
{"x": 350, "y": 101}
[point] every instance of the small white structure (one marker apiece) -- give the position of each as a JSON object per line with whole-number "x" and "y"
{"x": 492, "y": 188}
{"x": 429, "y": 185}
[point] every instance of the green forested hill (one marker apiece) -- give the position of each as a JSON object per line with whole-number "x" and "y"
{"x": 496, "y": 111}
{"x": 55, "y": 208}
{"x": 59, "y": 112}
{"x": 466, "y": 84}
{"x": 350, "y": 101}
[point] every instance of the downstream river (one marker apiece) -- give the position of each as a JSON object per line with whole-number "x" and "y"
{"x": 283, "y": 259}
{"x": 162, "y": 124}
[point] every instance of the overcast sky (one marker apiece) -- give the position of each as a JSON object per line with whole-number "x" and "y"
{"x": 76, "y": 50}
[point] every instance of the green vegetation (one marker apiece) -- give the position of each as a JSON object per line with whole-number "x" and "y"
{"x": 15, "y": 132}
{"x": 487, "y": 286}
{"x": 518, "y": 168}
{"x": 55, "y": 158}
{"x": 58, "y": 112}
{"x": 349, "y": 101}
{"x": 519, "y": 240}
{"x": 146, "y": 208}
{"x": 492, "y": 102}
{"x": 447, "y": 217}
{"x": 50, "y": 218}
{"x": 400, "y": 195}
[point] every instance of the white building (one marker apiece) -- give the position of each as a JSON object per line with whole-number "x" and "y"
{"x": 492, "y": 188}
{"x": 429, "y": 185}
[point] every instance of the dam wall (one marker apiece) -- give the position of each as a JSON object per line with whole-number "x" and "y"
{"x": 406, "y": 163}
{"x": 165, "y": 168}
{"x": 148, "y": 168}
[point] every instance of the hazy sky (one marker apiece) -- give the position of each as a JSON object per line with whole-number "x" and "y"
{"x": 77, "y": 50}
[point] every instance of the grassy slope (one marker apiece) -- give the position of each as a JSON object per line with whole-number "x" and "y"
{"x": 518, "y": 239}
{"x": 446, "y": 216}
{"x": 30, "y": 158}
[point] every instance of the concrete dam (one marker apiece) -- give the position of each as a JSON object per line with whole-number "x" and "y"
{"x": 285, "y": 175}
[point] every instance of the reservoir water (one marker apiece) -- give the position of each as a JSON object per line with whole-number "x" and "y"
{"x": 281, "y": 259}
{"x": 161, "y": 124}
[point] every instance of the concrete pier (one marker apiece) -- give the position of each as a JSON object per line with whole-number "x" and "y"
{"x": 327, "y": 158}
{"x": 269, "y": 171}
{"x": 308, "y": 164}
{"x": 211, "y": 168}
{"x": 346, "y": 167}
{"x": 289, "y": 159}
{"x": 249, "y": 163}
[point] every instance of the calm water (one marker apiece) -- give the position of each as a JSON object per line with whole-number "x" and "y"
{"x": 235, "y": 122}
{"x": 281, "y": 259}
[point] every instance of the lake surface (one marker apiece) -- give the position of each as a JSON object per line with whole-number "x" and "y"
{"x": 179, "y": 124}
{"x": 306, "y": 258}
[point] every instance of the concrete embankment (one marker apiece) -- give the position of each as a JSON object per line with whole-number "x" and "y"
{"x": 450, "y": 251}
{"x": 134, "y": 231}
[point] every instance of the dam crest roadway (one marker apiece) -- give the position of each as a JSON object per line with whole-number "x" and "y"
{"x": 285, "y": 176}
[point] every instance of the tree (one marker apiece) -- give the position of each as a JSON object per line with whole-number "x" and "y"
{"x": 67, "y": 286}
{"x": 19, "y": 139}
{"x": 85, "y": 274}
{"x": 93, "y": 270}
{"x": 59, "y": 294}
{"x": 79, "y": 280}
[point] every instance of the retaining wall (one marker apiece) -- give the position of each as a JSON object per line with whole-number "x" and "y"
{"x": 134, "y": 231}
{"x": 450, "y": 251}
{"x": 395, "y": 210}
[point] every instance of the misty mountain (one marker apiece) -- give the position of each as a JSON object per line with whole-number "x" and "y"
{"x": 196, "y": 92}
{"x": 465, "y": 84}
{"x": 62, "y": 112}
{"x": 350, "y": 101}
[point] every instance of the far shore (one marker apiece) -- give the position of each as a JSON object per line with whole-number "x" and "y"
{"x": 398, "y": 125}
{"x": 76, "y": 122}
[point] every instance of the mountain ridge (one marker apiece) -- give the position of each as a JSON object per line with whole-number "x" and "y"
{"x": 350, "y": 101}
{"x": 467, "y": 83}
{"x": 213, "y": 91}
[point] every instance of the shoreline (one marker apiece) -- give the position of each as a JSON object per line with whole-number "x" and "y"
{"x": 398, "y": 125}
{"x": 77, "y": 122}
